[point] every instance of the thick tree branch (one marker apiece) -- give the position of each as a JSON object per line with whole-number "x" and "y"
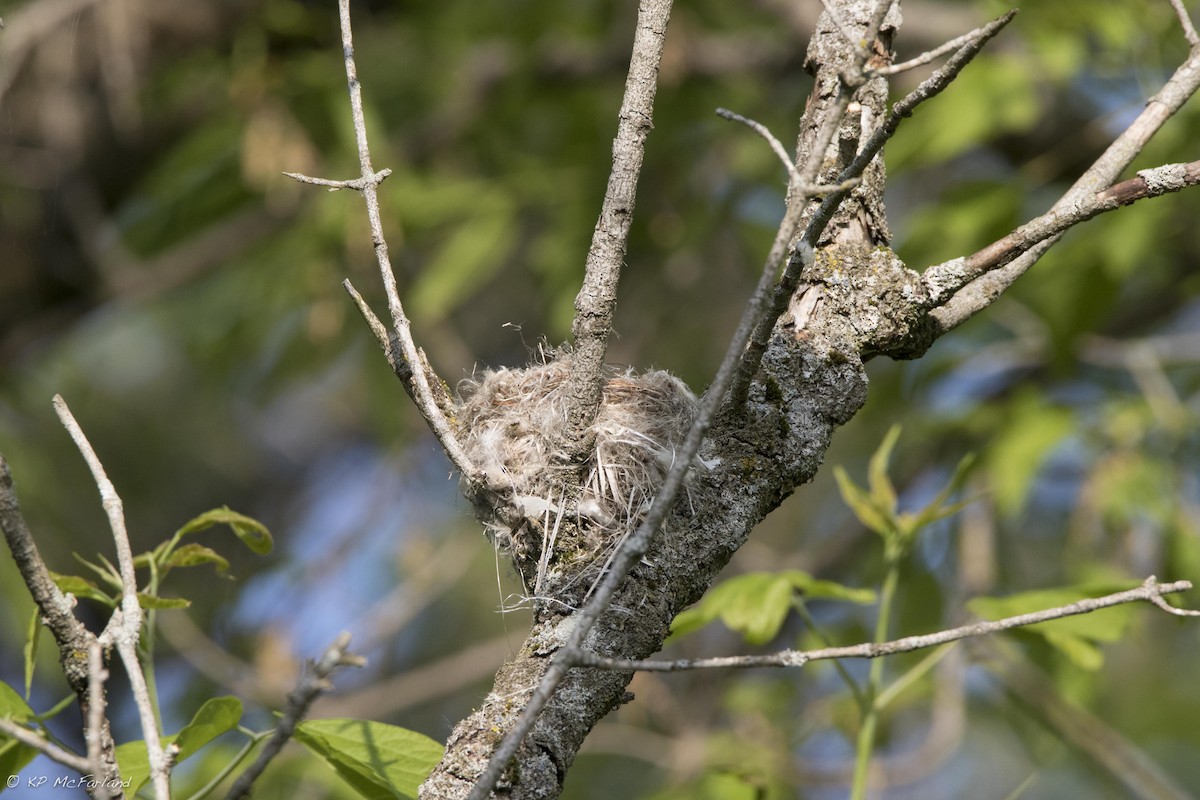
{"x": 983, "y": 292}
{"x": 597, "y": 298}
{"x": 1151, "y": 591}
{"x": 789, "y": 282}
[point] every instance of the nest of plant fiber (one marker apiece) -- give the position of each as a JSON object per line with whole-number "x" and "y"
{"x": 572, "y": 519}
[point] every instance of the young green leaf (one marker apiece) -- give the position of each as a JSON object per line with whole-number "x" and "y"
{"x": 12, "y": 706}
{"x": 878, "y": 519}
{"x": 32, "y": 634}
{"x": 149, "y": 601}
{"x": 937, "y": 508}
{"x": 378, "y": 760}
{"x": 757, "y": 603}
{"x": 193, "y": 554}
{"x": 215, "y": 717}
{"x": 882, "y": 492}
{"x": 81, "y": 587}
{"x": 14, "y": 756}
{"x": 252, "y": 532}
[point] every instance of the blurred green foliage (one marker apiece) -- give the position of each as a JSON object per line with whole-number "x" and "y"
{"x": 184, "y": 297}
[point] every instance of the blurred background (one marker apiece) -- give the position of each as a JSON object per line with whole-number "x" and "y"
{"x": 159, "y": 272}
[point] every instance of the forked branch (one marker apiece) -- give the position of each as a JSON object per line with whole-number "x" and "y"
{"x": 943, "y": 280}
{"x": 1104, "y": 171}
{"x": 406, "y": 359}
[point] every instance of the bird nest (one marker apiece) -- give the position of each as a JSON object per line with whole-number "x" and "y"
{"x": 514, "y": 423}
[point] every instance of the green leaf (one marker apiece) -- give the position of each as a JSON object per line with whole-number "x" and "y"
{"x": 150, "y": 601}
{"x": 863, "y": 505}
{"x": 809, "y": 586}
{"x": 32, "y": 634}
{"x": 215, "y": 717}
{"x": 134, "y": 762}
{"x": 1073, "y": 636}
{"x": 81, "y": 587}
{"x": 193, "y": 555}
{"x": 937, "y": 508}
{"x": 14, "y": 756}
{"x": 378, "y": 760}
{"x": 756, "y": 604}
{"x": 252, "y": 532}
{"x": 882, "y": 492}
{"x": 13, "y": 706}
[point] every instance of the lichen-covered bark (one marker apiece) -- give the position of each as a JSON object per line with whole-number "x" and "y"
{"x": 810, "y": 382}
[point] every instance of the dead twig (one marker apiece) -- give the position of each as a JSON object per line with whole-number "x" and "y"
{"x": 313, "y": 683}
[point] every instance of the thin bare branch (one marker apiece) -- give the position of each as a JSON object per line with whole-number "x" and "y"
{"x": 1185, "y": 21}
{"x": 313, "y": 683}
{"x": 946, "y": 279}
{"x": 124, "y": 628}
{"x": 407, "y": 358}
{"x": 358, "y": 184}
{"x": 776, "y": 145}
{"x": 45, "y": 746}
{"x": 93, "y": 732}
{"x": 381, "y": 335}
{"x": 982, "y": 33}
{"x": 597, "y": 298}
{"x": 112, "y": 505}
{"x": 801, "y": 258}
{"x": 1106, "y": 169}
{"x": 1150, "y": 591}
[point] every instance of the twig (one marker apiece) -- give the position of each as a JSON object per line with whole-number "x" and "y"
{"x": 125, "y": 626}
{"x": 1174, "y": 93}
{"x": 1150, "y": 591}
{"x": 802, "y": 258}
{"x": 358, "y": 184}
{"x": 939, "y": 51}
{"x": 113, "y": 508}
{"x": 94, "y": 730}
{"x": 775, "y": 144}
{"x": 404, "y": 372}
{"x": 45, "y": 746}
{"x": 313, "y": 683}
{"x": 597, "y": 298}
{"x": 405, "y": 358}
{"x": 1185, "y": 22}
{"x": 946, "y": 279}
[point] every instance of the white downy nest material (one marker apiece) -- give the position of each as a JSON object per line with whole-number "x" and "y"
{"x": 514, "y": 420}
